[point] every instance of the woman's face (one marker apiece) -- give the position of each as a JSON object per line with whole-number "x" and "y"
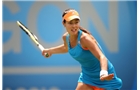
{"x": 72, "y": 26}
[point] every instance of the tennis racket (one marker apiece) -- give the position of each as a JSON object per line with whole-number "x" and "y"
{"x": 31, "y": 35}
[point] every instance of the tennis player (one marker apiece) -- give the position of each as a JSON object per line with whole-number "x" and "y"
{"x": 97, "y": 72}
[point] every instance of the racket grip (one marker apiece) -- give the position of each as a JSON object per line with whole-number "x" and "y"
{"x": 47, "y": 55}
{"x": 42, "y": 48}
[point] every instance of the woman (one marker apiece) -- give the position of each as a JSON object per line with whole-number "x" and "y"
{"x": 97, "y": 71}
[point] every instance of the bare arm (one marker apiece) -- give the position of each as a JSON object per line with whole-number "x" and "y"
{"x": 58, "y": 49}
{"x": 88, "y": 42}
{"x": 91, "y": 44}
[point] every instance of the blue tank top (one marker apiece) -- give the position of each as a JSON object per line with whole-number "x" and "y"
{"x": 90, "y": 66}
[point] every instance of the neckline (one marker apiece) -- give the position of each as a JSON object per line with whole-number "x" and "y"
{"x": 70, "y": 43}
{"x": 79, "y": 34}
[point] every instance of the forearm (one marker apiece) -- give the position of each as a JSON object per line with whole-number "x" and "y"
{"x": 103, "y": 63}
{"x": 58, "y": 49}
{"x": 104, "y": 75}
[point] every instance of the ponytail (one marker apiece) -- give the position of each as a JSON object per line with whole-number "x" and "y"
{"x": 84, "y": 30}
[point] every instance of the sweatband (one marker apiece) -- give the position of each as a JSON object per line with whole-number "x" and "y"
{"x": 103, "y": 72}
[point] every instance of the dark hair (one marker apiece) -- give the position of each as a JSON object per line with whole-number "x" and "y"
{"x": 81, "y": 28}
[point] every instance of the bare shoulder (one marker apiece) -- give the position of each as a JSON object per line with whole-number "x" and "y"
{"x": 86, "y": 38}
{"x": 64, "y": 35}
{"x": 64, "y": 39}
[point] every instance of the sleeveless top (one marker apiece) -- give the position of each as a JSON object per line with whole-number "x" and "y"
{"x": 90, "y": 66}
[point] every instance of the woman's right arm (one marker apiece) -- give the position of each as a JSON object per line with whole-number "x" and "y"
{"x": 58, "y": 49}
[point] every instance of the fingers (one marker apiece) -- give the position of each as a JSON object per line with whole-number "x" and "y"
{"x": 107, "y": 77}
{"x": 43, "y": 52}
{"x": 46, "y": 53}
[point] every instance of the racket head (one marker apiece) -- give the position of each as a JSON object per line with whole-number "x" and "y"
{"x": 28, "y": 32}
{"x": 31, "y": 35}
{"x": 23, "y": 27}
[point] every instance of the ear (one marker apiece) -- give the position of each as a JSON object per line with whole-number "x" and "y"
{"x": 63, "y": 24}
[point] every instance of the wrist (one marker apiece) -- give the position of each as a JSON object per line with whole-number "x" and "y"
{"x": 103, "y": 72}
{"x": 51, "y": 50}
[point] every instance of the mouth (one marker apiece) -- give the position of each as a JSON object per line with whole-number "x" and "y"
{"x": 73, "y": 30}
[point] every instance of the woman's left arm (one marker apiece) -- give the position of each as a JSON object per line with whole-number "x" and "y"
{"x": 88, "y": 42}
{"x": 91, "y": 45}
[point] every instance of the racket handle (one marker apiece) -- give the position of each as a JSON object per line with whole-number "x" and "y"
{"x": 42, "y": 48}
{"x": 47, "y": 55}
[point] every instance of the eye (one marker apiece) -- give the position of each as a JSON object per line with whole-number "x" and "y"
{"x": 70, "y": 22}
{"x": 76, "y": 22}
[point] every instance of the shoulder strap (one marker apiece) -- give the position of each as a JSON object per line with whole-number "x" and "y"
{"x": 67, "y": 40}
{"x": 79, "y": 34}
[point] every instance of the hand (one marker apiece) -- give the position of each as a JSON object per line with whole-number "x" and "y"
{"x": 46, "y": 51}
{"x": 107, "y": 77}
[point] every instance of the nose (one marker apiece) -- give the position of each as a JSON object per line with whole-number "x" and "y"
{"x": 74, "y": 25}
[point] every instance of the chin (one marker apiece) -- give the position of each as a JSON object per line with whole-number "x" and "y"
{"x": 74, "y": 33}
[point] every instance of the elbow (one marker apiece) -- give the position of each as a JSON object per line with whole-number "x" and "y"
{"x": 102, "y": 58}
{"x": 65, "y": 49}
